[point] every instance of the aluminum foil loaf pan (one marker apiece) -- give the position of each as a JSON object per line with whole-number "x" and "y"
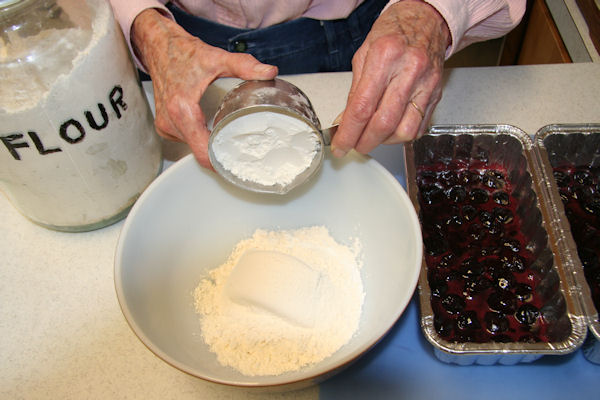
{"x": 493, "y": 287}
{"x": 570, "y": 158}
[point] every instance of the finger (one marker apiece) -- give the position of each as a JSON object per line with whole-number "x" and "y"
{"x": 357, "y": 62}
{"x": 245, "y": 66}
{"x": 413, "y": 124}
{"x": 389, "y": 113}
{"x": 188, "y": 120}
{"x": 428, "y": 113}
{"x": 163, "y": 125}
{"x": 365, "y": 94}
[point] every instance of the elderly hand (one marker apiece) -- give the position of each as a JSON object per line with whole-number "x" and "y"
{"x": 182, "y": 67}
{"x": 396, "y": 80}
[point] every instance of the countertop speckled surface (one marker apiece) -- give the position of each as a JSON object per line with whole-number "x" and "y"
{"x": 62, "y": 334}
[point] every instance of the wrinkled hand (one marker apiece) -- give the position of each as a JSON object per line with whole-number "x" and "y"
{"x": 182, "y": 67}
{"x": 400, "y": 62}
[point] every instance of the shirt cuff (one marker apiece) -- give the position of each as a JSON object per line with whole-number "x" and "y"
{"x": 125, "y": 13}
{"x": 471, "y": 21}
{"x": 442, "y": 12}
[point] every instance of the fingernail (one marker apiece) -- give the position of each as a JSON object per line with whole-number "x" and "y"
{"x": 338, "y": 119}
{"x": 339, "y": 153}
{"x": 263, "y": 68}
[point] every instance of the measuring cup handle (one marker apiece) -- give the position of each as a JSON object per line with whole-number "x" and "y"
{"x": 328, "y": 134}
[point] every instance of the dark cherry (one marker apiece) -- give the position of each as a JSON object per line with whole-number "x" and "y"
{"x": 478, "y": 196}
{"x": 588, "y": 234}
{"x": 452, "y": 276}
{"x": 446, "y": 261}
{"x": 495, "y": 322}
{"x": 592, "y": 206}
{"x": 489, "y": 250}
{"x": 486, "y": 218}
{"x": 583, "y": 194}
{"x": 513, "y": 263}
{"x": 457, "y": 244}
{"x": 562, "y": 179}
{"x": 453, "y": 303}
{"x": 443, "y": 326}
{"x": 449, "y": 178}
{"x": 470, "y": 268}
{"x": 476, "y": 285}
{"x": 503, "y": 215}
{"x": 476, "y": 232}
{"x": 454, "y": 220}
{"x": 467, "y": 321}
{"x": 493, "y": 179}
{"x": 469, "y": 212}
{"x": 431, "y": 225}
{"x": 457, "y": 194}
{"x": 469, "y": 178}
{"x": 512, "y": 245}
{"x": 583, "y": 177}
{"x": 527, "y": 314}
{"x": 504, "y": 280}
{"x": 495, "y": 228}
{"x": 524, "y": 292}
{"x": 501, "y": 198}
{"x": 432, "y": 194}
{"x": 502, "y": 301}
{"x": 435, "y": 245}
{"x": 427, "y": 177}
{"x": 493, "y": 266}
{"x": 439, "y": 287}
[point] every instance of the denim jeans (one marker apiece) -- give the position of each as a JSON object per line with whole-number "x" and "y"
{"x": 303, "y": 45}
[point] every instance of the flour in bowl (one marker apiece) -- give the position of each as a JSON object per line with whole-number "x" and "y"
{"x": 282, "y": 301}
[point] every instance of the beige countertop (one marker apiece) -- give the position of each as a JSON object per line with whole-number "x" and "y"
{"x": 62, "y": 334}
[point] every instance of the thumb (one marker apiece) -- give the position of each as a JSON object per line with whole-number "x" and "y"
{"x": 246, "y": 67}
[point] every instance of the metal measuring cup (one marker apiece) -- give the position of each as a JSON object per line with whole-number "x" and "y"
{"x": 278, "y": 96}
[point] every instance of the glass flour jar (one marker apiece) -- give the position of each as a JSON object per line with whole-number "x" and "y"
{"x": 78, "y": 143}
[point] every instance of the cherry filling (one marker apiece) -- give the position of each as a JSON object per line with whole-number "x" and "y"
{"x": 579, "y": 189}
{"x": 482, "y": 287}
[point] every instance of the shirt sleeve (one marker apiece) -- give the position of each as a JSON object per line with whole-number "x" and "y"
{"x": 125, "y": 12}
{"x": 473, "y": 21}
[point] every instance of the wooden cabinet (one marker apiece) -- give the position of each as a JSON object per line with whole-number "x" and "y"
{"x": 536, "y": 40}
{"x": 541, "y": 43}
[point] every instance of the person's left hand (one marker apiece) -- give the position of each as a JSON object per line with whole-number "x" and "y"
{"x": 396, "y": 81}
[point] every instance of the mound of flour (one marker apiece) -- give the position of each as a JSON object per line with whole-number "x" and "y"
{"x": 266, "y": 147}
{"x": 258, "y": 333}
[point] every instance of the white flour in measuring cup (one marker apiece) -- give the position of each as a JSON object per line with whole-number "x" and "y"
{"x": 267, "y": 148}
{"x": 77, "y": 138}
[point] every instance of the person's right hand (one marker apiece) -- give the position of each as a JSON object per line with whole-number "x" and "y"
{"x": 182, "y": 67}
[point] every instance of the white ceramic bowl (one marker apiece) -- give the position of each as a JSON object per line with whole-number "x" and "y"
{"x": 188, "y": 221}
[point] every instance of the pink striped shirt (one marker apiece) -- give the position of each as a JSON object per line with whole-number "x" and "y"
{"x": 469, "y": 20}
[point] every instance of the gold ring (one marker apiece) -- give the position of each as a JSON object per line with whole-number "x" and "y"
{"x": 421, "y": 113}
